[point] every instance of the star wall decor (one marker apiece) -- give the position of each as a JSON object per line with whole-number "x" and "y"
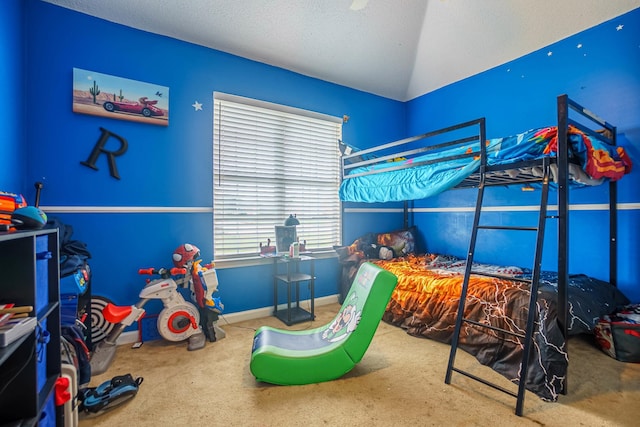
{"x": 550, "y": 53}
{"x": 197, "y": 106}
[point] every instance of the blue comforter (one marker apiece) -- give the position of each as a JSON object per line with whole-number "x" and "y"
{"x": 598, "y": 161}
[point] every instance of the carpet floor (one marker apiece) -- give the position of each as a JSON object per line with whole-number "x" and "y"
{"x": 399, "y": 382}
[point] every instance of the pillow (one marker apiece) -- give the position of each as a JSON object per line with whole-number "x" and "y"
{"x": 402, "y": 242}
{"x": 397, "y": 243}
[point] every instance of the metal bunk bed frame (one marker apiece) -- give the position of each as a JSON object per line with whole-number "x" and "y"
{"x": 494, "y": 175}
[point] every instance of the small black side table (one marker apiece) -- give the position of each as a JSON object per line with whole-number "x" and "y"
{"x": 292, "y": 278}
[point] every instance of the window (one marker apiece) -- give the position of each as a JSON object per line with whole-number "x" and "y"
{"x": 271, "y": 161}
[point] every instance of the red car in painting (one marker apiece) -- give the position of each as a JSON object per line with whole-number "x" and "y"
{"x": 143, "y": 106}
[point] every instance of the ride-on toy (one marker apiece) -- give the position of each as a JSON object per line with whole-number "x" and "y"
{"x": 179, "y": 320}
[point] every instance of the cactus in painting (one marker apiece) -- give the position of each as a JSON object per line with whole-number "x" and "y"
{"x": 121, "y": 96}
{"x": 95, "y": 91}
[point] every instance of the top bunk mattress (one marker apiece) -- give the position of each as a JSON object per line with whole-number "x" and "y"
{"x": 592, "y": 161}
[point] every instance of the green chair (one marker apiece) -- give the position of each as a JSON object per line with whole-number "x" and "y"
{"x": 323, "y": 354}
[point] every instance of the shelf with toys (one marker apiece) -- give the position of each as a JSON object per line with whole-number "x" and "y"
{"x": 30, "y": 364}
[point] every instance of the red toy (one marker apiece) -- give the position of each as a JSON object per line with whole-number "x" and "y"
{"x": 203, "y": 283}
{"x": 143, "y": 106}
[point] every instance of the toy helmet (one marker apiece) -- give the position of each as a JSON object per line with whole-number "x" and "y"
{"x": 29, "y": 218}
{"x": 184, "y": 254}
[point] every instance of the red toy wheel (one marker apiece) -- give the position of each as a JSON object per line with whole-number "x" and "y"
{"x": 178, "y": 322}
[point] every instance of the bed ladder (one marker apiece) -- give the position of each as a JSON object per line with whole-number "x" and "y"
{"x": 460, "y": 319}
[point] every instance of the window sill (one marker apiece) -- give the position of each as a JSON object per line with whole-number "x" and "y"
{"x": 250, "y": 261}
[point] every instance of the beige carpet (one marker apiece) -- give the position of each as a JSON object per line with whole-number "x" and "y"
{"x": 399, "y": 382}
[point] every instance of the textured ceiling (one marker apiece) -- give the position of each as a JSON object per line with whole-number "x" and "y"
{"x": 399, "y": 49}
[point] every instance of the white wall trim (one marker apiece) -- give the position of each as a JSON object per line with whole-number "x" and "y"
{"x": 206, "y": 209}
{"x": 126, "y": 209}
{"x": 372, "y": 210}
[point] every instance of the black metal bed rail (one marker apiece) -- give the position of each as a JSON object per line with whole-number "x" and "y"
{"x": 350, "y": 162}
{"x": 588, "y": 114}
{"x": 569, "y": 111}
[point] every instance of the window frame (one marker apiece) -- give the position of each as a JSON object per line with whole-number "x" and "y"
{"x": 335, "y": 215}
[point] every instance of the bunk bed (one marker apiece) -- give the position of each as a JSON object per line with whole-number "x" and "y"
{"x": 437, "y": 294}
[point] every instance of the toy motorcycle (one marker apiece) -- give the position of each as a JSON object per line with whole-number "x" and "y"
{"x": 179, "y": 320}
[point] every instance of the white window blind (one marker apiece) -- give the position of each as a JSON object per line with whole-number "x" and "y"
{"x": 269, "y": 162}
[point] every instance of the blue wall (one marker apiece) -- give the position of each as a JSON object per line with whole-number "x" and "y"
{"x": 600, "y": 69}
{"x": 164, "y": 167}
{"x": 170, "y": 168}
{"x": 12, "y": 139}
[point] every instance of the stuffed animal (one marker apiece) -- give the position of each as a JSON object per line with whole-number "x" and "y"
{"x": 368, "y": 247}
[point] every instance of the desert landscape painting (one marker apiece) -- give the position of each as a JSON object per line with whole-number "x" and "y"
{"x": 114, "y": 97}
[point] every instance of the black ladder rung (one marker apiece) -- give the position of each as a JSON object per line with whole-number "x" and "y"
{"x": 501, "y": 276}
{"x": 527, "y": 336}
{"x": 507, "y": 227}
{"x": 485, "y": 382}
{"x": 493, "y": 328}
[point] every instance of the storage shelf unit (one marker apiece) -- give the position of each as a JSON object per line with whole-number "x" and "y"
{"x": 292, "y": 278}
{"x": 30, "y": 366}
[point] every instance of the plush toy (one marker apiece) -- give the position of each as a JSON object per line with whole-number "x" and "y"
{"x": 363, "y": 245}
{"x": 368, "y": 247}
{"x": 386, "y": 252}
{"x": 402, "y": 241}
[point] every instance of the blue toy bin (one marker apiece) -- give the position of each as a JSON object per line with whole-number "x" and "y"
{"x": 75, "y": 283}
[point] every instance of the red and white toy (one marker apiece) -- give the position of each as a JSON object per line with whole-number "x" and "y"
{"x": 179, "y": 320}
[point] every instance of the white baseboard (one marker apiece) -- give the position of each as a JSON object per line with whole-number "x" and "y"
{"x": 231, "y": 318}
